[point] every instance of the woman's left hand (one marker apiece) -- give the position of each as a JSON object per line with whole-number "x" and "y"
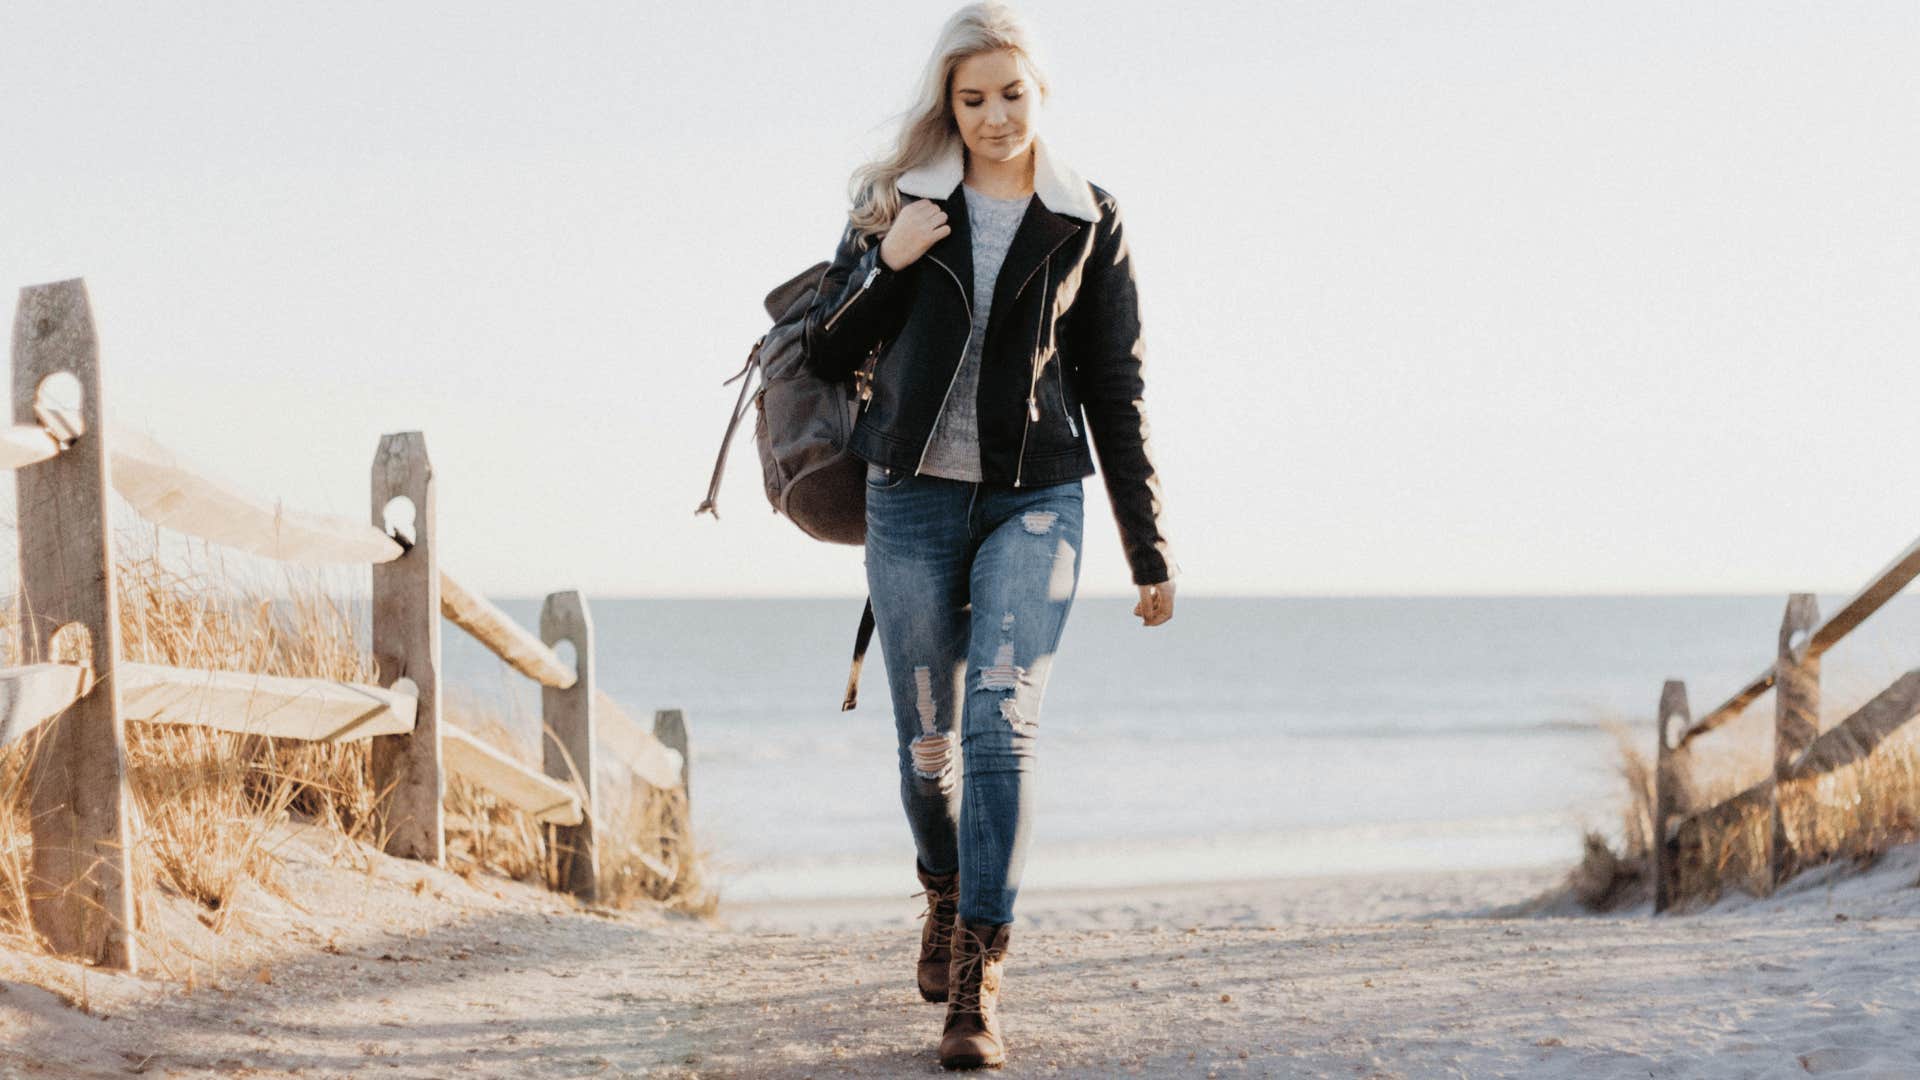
{"x": 1156, "y": 603}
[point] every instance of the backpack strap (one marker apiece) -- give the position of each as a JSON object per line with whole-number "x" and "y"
{"x": 708, "y": 505}
{"x": 860, "y": 641}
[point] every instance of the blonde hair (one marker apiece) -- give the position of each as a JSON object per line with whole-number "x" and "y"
{"x": 927, "y": 129}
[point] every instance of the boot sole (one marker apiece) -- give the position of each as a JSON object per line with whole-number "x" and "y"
{"x": 973, "y": 1061}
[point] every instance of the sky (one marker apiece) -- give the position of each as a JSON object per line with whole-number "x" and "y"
{"x": 1477, "y": 297}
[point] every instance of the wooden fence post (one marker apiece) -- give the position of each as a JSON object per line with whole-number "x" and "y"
{"x": 1796, "y": 718}
{"x": 1668, "y": 787}
{"x": 670, "y": 727}
{"x": 567, "y": 748}
{"x": 81, "y": 882}
{"x": 406, "y": 644}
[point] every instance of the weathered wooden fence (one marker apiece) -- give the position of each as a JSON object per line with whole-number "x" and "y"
{"x": 1800, "y": 750}
{"x": 65, "y": 459}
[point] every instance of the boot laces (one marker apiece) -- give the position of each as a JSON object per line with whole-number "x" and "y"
{"x": 967, "y": 989}
{"x": 942, "y": 936}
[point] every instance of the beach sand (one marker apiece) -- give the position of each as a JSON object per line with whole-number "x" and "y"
{"x": 405, "y": 971}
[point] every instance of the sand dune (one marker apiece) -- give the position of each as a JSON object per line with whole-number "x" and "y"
{"x": 1382, "y": 977}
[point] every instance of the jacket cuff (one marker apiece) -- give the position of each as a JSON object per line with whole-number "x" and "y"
{"x": 1157, "y": 570}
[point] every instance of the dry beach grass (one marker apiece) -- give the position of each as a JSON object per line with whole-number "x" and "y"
{"x": 1854, "y": 814}
{"x": 212, "y": 807}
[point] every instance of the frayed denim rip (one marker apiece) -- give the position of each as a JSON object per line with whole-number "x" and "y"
{"x": 971, "y": 586}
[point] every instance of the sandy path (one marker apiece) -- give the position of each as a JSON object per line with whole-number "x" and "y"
{"x": 1191, "y": 982}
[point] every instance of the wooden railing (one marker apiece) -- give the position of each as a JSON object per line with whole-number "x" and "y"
{"x": 66, "y": 458}
{"x": 1800, "y": 750}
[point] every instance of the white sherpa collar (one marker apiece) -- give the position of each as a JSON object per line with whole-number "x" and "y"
{"x": 1060, "y": 188}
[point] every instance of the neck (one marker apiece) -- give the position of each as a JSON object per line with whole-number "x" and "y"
{"x": 1001, "y": 179}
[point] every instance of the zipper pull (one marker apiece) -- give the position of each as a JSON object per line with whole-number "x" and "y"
{"x": 1033, "y": 409}
{"x": 1073, "y": 427}
{"x": 871, "y": 274}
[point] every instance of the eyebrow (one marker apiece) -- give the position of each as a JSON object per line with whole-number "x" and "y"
{"x": 971, "y": 90}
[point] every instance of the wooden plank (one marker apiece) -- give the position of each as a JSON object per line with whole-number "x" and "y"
{"x": 284, "y": 708}
{"x": 61, "y": 421}
{"x": 1893, "y": 577}
{"x": 635, "y": 747}
{"x": 168, "y": 492}
{"x": 670, "y": 731}
{"x": 406, "y": 644}
{"x": 80, "y": 888}
{"x": 472, "y": 758}
{"x": 1796, "y": 714}
{"x": 568, "y": 751}
{"x": 1727, "y": 812}
{"x": 34, "y": 694}
{"x": 499, "y": 632}
{"x": 318, "y": 710}
{"x": 1670, "y": 764}
{"x": 1854, "y": 738}
{"x": 1732, "y": 707}
{"x": 26, "y": 444}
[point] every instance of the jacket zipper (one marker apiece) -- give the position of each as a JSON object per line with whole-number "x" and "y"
{"x": 958, "y": 364}
{"x": 1033, "y": 380}
{"x": 849, "y": 302}
{"x": 1061, "y": 380}
{"x": 1033, "y": 406}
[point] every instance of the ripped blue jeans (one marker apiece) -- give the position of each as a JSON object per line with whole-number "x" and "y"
{"x": 971, "y": 584}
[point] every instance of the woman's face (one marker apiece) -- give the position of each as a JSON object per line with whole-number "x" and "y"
{"x": 992, "y": 102}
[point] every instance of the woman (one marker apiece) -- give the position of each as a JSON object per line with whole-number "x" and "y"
{"x": 983, "y": 296}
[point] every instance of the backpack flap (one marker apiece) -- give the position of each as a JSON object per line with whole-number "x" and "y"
{"x": 800, "y": 288}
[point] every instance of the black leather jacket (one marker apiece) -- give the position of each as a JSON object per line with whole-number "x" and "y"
{"x": 1063, "y": 335}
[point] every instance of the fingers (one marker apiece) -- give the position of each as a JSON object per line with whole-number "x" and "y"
{"x": 917, "y": 227}
{"x": 1155, "y": 606}
{"x": 921, "y": 224}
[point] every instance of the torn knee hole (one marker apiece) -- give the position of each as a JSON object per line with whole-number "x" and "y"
{"x": 932, "y": 755}
{"x": 1003, "y": 673}
{"x": 1039, "y": 522}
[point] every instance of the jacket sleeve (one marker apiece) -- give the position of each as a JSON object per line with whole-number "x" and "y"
{"x": 858, "y": 304}
{"x": 1108, "y": 357}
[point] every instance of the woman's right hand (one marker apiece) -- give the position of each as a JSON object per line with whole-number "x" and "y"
{"x": 918, "y": 226}
{"x": 1156, "y": 604}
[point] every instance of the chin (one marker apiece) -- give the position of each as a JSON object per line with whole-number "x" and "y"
{"x": 993, "y": 151}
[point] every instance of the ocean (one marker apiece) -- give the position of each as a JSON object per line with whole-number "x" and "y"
{"x": 1248, "y": 738}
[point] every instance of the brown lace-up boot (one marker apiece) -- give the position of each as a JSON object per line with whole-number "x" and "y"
{"x": 936, "y": 934}
{"x": 972, "y": 1036}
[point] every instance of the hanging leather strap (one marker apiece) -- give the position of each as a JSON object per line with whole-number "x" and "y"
{"x": 860, "y": 641}
{"x": 709, "y": 505}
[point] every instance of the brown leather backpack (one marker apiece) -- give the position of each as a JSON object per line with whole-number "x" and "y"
{"x": 801, "y": 430}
